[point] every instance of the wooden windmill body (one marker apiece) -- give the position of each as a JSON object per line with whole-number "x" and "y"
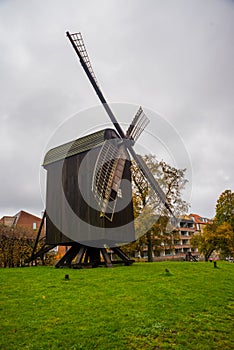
{"x": 89, "y": 203}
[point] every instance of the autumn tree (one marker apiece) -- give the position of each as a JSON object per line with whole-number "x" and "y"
{"x": 226, "y": 232}
{"x": 150, "y": 214}
{"x": 206, "y": 242}
{"x": 224, "y": 218}
{"x": 16, "y": 244}
{"x": 225, "y": 208}
{"x": 218, "y": 236}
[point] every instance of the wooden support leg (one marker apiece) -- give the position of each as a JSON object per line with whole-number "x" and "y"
{"x": 122, "y": 256}
{"x": 38, "y": 236}
{"x": 68, "y": 257}
{"x": 81, "y": 252}
{"x": 91, "y": 257}
{"x": 94, "y": 256}
{"x": 106, "y": 257}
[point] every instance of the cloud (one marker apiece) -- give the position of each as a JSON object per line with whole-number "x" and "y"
{"x": 175, "y": 57}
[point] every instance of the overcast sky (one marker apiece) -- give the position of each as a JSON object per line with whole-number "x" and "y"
{"x": 172, "y": 57}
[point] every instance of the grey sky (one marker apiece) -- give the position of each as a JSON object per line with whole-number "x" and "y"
{"x": 174, "y": 57}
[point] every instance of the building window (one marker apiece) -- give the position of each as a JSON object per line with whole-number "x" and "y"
{"x": 34, "y": 226}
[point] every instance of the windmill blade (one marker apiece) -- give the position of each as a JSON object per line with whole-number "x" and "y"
{"x": 95, "y": 85}
{"x": 152, "y": 181}
{"x": 140, "y": 162}
{"x": 138, "y": 125}
{"x": 107, "y": 176}
{"x": 80, "y": 46}
{"x": 149, "y": 176}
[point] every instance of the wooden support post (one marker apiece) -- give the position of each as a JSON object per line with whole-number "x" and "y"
{"x": 94, "y": 256}
{"x": 106, "y": 257}
{"x": 68, "y": 257}
{"x": 91, "y": 257}
{"x": 122, "y": 256}
{"x": 38, "y": 235}
{"x": 82, "y": 250}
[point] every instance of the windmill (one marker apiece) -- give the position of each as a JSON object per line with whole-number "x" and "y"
{"x": 86, "y": 177}
{"x": 136, "y": 127}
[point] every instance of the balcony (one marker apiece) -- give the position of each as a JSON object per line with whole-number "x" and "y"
{"x": 180, "y": 246}
{"x": 186, "y": 224}
{"x": 184, "y": 237}
{"x": 191, "y": 229}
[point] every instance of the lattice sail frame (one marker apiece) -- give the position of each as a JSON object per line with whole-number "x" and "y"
{"x": 137, "y": 126}
{"x": 107, "y": 176}
{"x": 79, "y": 42}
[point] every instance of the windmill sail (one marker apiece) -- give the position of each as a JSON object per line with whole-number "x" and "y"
{"x": 138, "y": 125}
{"x": 79, "y": 44}
{"x": 94, "y": 83}
{"x": 107, "y": 176}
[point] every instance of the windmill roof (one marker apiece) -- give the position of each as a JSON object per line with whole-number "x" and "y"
{"x": 77, "y": 146}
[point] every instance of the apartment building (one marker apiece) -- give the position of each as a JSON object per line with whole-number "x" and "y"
{"x": 185, "y": 231}
{"x": 178, "y": 246}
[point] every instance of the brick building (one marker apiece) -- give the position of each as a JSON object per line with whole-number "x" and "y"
{"x": 22, "y": 219}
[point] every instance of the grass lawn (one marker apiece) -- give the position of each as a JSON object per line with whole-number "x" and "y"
{"x": 137, "y": 307}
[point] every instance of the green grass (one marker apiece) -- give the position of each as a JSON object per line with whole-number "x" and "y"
{"x": 138, "y": 307}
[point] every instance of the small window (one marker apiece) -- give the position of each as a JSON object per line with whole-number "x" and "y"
{"x": 34, "y": 226}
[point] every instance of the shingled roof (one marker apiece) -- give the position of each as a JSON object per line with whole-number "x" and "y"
{"x": 77, "y": 146}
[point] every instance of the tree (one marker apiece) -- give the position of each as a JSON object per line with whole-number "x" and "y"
{"x": 15, "y": 245}
{"x": 226, "y": 241}
{"x": 206, "y": 242}
{"x": 215, "y": 238}
{"x": 172, "y": 182}
{"x": 224, "y": 218}
{"x": 225, "y": 208}
{"x": 218, "y": 236}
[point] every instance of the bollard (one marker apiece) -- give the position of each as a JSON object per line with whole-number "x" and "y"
{"x": 66, "y": 277}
